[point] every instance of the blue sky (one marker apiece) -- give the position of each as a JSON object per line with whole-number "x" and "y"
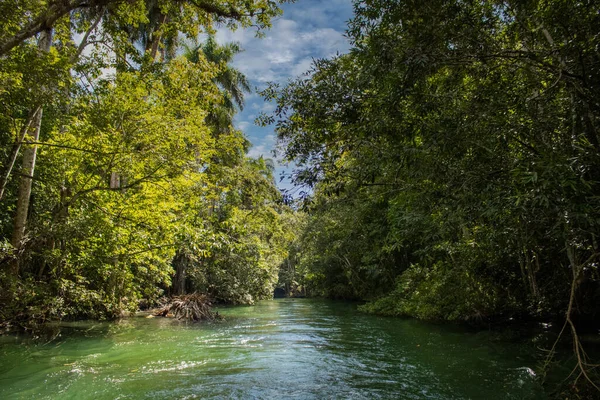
{"x": 308, "y": 29}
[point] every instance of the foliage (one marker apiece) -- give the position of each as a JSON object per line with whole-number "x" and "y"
{"x": 133, "y": 171}
{"x": 250, "y": 233}
{"x": 291, "y": 280}
{"x": 453, "y": 156}
{"x": 457, "y": 133}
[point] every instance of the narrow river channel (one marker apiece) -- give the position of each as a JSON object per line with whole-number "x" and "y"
{"x": 280, "y": 349}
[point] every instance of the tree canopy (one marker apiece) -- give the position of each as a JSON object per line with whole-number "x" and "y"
{"x": 454, "y": 160}
{"x": 133, "y": 188}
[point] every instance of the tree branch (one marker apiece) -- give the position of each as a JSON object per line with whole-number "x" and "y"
{"x": 84, "y": 41}
{"x": 47, "y": 18}
{"x": 211, "y": 8}
{"x": 15, "y": 150}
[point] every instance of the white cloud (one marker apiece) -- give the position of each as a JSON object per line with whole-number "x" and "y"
{"x": 257, "y": 151}
{"x": 302, "y": 66}
{"x": 261, "y": 106}
{"x": 243, "y": 125}
{"x": 264, "y": 147}
{"x": 241, "y": 36}
{"x": 285, "y": 52}
{"x": 309, "y": 29}
{"x": 267, "y": 107}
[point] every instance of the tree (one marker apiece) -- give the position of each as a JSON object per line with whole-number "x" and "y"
{"x": 29, "y": 156}
{"x": 231, "y": 81}
{"x": 26, "y": 22}
{"x": 472, "y": 128}
{"x": 96, "y": 246}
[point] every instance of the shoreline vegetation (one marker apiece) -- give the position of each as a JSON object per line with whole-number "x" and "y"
{"x": 123, "y": 175}
{"x": 449, "y": 165}
{"x": 453, "y": 157}
{"x": 191, "y": 307}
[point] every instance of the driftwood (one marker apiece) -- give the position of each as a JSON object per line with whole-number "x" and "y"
{"x": 188, "y": 307}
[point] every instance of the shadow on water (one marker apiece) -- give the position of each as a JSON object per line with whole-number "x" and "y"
{"x": 287, "y": 348}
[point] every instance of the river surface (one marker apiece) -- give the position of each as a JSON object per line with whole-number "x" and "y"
{"x": 280, "y": 349}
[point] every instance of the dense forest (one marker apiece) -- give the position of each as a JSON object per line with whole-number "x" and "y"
{"x": 123, "y": 178}
{"x": 454, "y": 157}
{"x": 454, "y": 162}
{"x": 450, "y": 162}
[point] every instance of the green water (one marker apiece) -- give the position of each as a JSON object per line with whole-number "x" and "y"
{"x": 281, "y": 349}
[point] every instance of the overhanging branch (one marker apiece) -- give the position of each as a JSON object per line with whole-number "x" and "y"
{"x": 47, "y": 18}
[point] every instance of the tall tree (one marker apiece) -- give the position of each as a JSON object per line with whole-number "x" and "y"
{"x": 28, "y": 169}
{"x": 187, "y": 16}
{"x": 232, "y": 82}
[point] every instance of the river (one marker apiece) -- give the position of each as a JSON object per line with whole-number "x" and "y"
{"x": 280, "y": 349}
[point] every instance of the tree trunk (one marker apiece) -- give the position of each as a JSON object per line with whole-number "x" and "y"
{"x": 15, "y": 151}
{"x": 156, "y": 38}
{"x": 27, "y": 171}
{"x": 180, "y": 262}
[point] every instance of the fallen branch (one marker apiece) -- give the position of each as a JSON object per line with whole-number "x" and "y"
{"x": 188, "y": 307}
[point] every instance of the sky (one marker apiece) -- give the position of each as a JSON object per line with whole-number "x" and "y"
{"x": 307, "y": 30}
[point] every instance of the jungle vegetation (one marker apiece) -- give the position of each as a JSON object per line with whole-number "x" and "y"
{"x": 123, "y": 177}
{"x": 453, "y": 162}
